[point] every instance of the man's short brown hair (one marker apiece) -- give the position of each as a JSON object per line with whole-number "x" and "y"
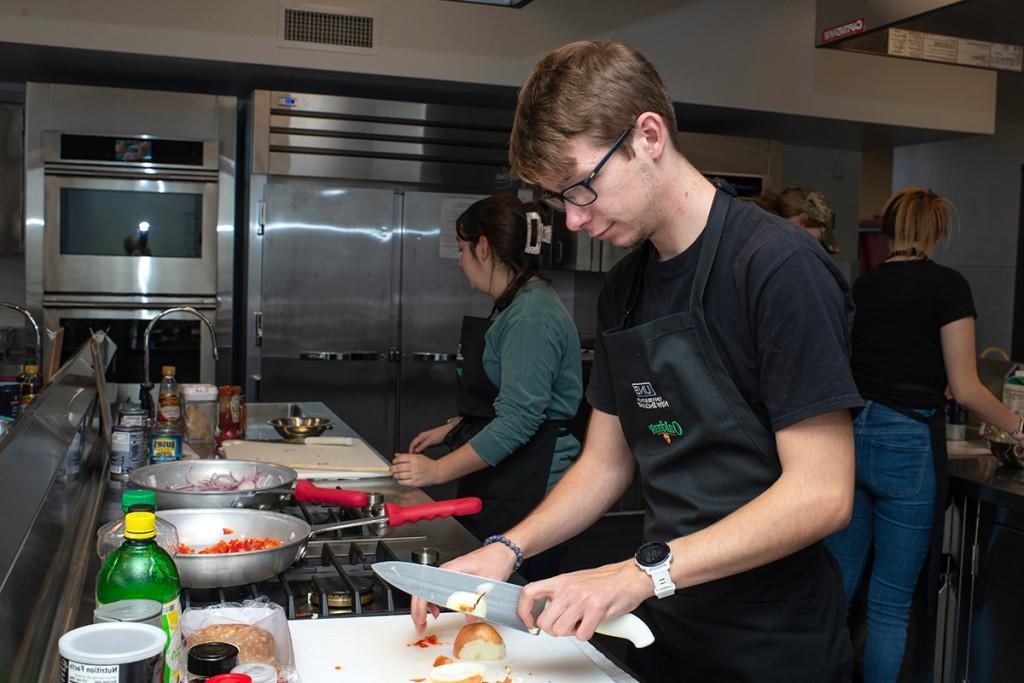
{"x": 596, "y": 89}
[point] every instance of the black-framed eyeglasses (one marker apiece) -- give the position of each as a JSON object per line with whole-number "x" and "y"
{"x": 581, "y": 193}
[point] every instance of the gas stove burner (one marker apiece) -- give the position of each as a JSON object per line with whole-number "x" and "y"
{"x": 339, "y": 602}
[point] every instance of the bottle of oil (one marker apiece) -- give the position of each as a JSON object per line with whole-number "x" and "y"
{"x": 169, "y": 401}
{"x": 30, "y": 383}
{"x": 140, "y": 568}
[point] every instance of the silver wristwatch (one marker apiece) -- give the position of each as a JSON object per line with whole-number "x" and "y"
{"x": 654, "y": 559}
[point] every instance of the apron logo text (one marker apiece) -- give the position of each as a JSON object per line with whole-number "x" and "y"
{"x": 647, "y": 398}
{"x": 666, "y": 430}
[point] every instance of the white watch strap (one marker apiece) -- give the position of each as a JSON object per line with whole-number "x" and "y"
{"x": 663, "y": 586}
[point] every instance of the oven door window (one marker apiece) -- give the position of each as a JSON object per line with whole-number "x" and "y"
{"x": 172, "y": 342}
{"x": 131, "y": 223}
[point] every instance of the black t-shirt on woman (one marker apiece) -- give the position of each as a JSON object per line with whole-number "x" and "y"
{"x": 897, "y": 349}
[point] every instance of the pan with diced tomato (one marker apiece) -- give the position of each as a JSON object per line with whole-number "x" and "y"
{"x": 263, "y": 544}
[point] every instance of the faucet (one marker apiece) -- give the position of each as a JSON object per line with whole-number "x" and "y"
{"x": 24, "y": 312}
{"x": 146, "y": 384}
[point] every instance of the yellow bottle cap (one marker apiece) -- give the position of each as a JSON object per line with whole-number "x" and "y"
{"x": 31, "y": 369}
{"x": 169, "y": 369}
{"x": 140, "y": 525}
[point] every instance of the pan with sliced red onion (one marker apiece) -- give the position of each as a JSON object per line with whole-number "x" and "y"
{"x": 234, "y": 483}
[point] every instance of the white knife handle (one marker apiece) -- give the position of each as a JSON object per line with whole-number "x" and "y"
{"x": 328, "y": 440}
{"x": 628, "y": 626}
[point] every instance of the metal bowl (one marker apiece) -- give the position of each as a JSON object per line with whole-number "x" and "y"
{"x": 165, "y": 478}
{"x": 298, "y": 428}
{"x": 1004, "y": 447}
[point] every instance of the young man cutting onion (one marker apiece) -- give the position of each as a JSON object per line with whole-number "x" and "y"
{"x": 721, "y": 369}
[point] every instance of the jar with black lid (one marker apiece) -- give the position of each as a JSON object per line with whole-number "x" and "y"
{"x": 210, "y": 659}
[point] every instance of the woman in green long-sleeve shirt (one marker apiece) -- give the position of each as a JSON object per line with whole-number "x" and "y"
{"x": 519, "y": 374}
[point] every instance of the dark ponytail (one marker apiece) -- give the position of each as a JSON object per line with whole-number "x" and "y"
{"x": 502, "y": 219}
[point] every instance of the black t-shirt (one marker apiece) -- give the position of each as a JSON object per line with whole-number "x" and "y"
{"x": 778, "y": 311}
{"x": 897, "y": 348}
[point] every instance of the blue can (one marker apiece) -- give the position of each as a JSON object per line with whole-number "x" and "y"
{"x": 164, "y": 443}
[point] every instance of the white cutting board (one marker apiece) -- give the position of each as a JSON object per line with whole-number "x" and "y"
{"x": 305, "y": 457}
{"x": 381, "y": 649}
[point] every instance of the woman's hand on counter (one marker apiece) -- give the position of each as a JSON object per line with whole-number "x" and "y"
{"x": 413, "y": 469}
{"x": 430, "y": 437}
{"x": 494, "y": 561}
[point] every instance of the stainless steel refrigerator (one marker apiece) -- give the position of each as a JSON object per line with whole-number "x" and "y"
{"x": 355, "y": 293}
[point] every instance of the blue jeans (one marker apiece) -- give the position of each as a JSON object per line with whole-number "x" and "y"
{"x": 892, "y": 515}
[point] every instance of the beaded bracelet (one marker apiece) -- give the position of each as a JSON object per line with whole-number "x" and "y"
{"x": 510, "y": 544}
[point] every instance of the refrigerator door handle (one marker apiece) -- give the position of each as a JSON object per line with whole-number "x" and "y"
{"x": 433, "y": 357}
{"x": 341, "y": 355}
{"x": 317, "y": 355}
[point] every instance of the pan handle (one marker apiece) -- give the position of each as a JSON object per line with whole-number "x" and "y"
{"x": 310, "y": 493}
{"x": 445, "y": 508}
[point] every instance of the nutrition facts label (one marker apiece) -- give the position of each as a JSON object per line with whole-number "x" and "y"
{"x": 92, "y": 673}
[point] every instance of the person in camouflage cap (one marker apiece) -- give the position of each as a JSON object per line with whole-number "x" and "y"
{"x": 808, "y": 208}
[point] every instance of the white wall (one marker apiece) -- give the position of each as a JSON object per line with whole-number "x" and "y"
{"x": 749, "y": 54}
{"x": 982, "y": 177}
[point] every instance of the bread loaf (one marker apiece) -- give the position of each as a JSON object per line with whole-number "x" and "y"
{"x": 254, "y": 644}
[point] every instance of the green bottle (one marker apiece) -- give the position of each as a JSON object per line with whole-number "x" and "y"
{"x": 142, "y": 569}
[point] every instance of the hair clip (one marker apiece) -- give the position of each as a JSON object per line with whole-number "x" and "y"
{"x": 536, "y": 233}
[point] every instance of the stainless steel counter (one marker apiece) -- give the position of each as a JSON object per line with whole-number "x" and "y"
{"x": 986, "y": 480}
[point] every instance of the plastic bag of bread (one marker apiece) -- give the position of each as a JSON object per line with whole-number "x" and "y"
{"x": 258, "y": 628}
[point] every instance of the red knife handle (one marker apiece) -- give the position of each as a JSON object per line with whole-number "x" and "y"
{"x": 309, "y": 493}
{"x": 445, "y": 508}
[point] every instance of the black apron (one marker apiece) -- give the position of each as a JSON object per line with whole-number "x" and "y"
{"x": 703, "y": 453}
{"x": 513, "y": 488}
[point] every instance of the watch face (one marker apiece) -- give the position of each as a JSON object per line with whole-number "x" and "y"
{"x": 651, "y": 554}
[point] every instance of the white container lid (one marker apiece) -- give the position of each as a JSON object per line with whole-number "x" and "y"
{"x": 112, "y": 643}
{"x": 257, "y": 671}
{"x": 199, "y": 392}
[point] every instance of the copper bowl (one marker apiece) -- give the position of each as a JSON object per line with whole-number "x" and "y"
{"x": 298, "y": 428}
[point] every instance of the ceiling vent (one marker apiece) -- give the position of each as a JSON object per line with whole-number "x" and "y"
{"x": 326, "y": 28}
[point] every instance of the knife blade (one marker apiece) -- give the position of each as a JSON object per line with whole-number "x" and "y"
{"x": 500, "y": 599}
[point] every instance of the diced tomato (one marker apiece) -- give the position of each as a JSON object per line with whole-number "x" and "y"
{"x": 427, "y": 642}
{"x": 234, "y": 545}
{"x": 228, "y": 532}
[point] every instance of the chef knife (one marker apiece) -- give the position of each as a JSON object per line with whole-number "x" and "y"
{"x": 500, "y": 601}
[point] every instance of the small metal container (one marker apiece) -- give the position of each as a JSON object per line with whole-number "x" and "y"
{"x": 165, "y": 443}
{"x": 132, "y": 414}
{"x": 128, "y": 450}
{"x": 428, "y": 556}
{"x": 138, "y": 611}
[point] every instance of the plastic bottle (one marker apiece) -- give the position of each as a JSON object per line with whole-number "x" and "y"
{"x": 110, "y": 536}
{"x": 169, "y": 401}
{"x": 1013, "y": 392}
{"x": 142, "y": 569}
{"x": 30, "y": 383}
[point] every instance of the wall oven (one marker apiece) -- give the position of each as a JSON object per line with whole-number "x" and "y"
{"x": 129, "y": 216}
{"x": 178, "y": 339}
{"x": 129, "y": 211}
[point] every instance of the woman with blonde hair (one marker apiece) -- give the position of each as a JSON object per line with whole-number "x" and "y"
{"x": 913, "y": 335}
